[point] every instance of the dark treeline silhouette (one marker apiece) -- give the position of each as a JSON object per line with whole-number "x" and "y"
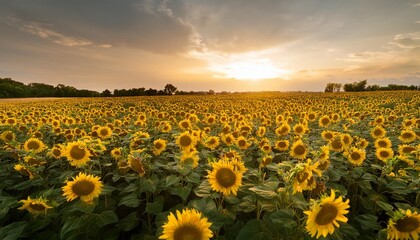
{"x": 362, "y": 86}
{"x": 13, "y": 89}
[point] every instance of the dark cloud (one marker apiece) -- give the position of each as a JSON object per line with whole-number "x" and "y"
{"x": 147, "y": 25}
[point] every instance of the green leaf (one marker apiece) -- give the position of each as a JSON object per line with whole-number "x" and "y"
{"x": 204, "y": 190}
{"x": 284, "y": 218}
{"x": 264, "y": 191}
{"x": 181, "y": 191}
{"x": 12, "y": 231}
{"x": 171, "y": 180}
{"x": 130, "y": 200}
{"x": 368, "y": 221}
{"x": 106, "y": 218}
{"x": 205, "y": 205}
{"x": 129, "y": 222}
{"x": 247, "y": 204}
{"x": 299, "y": 201}
{"x": 156, "y": 206}
{"x": 385, "y": 206}
{"x": 252, "y": 231}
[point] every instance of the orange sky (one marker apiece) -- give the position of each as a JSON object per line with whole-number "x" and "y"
{"x": 237, "y": 45}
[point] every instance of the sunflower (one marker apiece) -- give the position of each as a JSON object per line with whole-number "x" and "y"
{"x": 56, "y": 151}
{"x": 77, "y": 153}
{"x": 104, "y": 132}
{"x": 404, "y": 225}
{"x": 7, "y": 136}
{"x": 362, "y": 143}
{"x": 212, "y": 142}
{"x": 231, "y": 154}
{"x": 190, "y": 158}
{"x": 384, "y": 154}
{"x": 304, "y": 176}
{"x": 324, "y": 121}
{"x": 184, "y": 124}
{"x": 224, "y": 179}
{"x": 328, "y": 135}
{"x": 383, "y": 143}
{"x": 85, "y": 186}
{"x": 242, "y": 142}
{"x": 23, "y": 170}
{"x": 282, "y": 145}
{"x": 188, "y": 224}
{"x": 34, "y": 144}
{"x": 405, "y": 149}
{"x": 136, "y": 163}
{"x": 261, "y": 131}
{"x": 283, "y": 129}
{"x": 116, "y": 153}
{"x": 346, "y": 139}
{"x": 378, "y": 132}
{"x": 323, "y": 217}
{"x": 299, "y": 129}
{"x": 35, "y": 206}
{"x": 238, "y": 165}
{"x": 356, "y": 156}
{"x": 298, "y": 150}
{"x": 407, "y": 136}
{"x": 266, "y": 148}
{"x": 33, "y": 161}
{"x": 324, "y": 153}
{"x": 186, "y": 141}
{"x": 159, "y": 145}
{"x": 337, "y": 144}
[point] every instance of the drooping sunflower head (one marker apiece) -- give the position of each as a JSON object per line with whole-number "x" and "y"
{"x": 23, "y": 170}
{"x": 35, "y": 206}
{"x": 84, "y": 186}
{"x": 298, "y": 150}
{"x": 404, "y": 225}
{"x": 224, "y": 179}
{"x": 188, "y": 224}
{"x": 325, "y": 215}
{"x": 136, "y": 164}
{"x": 324, "y": 153}
{"x": 77, "y": 153}
{"x": 34, "y": 144}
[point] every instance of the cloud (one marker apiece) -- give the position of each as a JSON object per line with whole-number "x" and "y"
{"x": 145, "y": 24}
{"x": 409, "y": 40}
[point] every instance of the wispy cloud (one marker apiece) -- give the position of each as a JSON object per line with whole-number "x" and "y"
{"x": 409, "y": 40}
{"x": 45, "y": 31}
{"x": 416, "y": 5}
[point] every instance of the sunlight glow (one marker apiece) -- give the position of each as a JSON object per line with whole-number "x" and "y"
{"x": 250, "y": 69}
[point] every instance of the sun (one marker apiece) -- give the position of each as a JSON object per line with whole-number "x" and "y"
{"x": 251, "y": 69}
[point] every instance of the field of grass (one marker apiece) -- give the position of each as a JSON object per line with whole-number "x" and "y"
{"x": 243, "y": 166}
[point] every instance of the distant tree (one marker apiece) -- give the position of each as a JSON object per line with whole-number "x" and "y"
{"x": 329, "y": 87}
{"x": 211, "y": 92}
{"x": 337, "y": 87}
{"x": 373, "y": 88}
{"x": 106, "y": 93}
{"x": 169, "y": 89}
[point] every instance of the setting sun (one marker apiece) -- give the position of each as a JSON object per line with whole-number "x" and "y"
{"x": 250, "y": 69}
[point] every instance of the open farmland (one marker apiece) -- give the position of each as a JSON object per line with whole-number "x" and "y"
{"x": 237, "y": 166}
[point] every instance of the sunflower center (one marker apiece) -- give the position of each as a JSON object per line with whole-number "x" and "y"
{"x": 326, "y": 215}
{"x": 56, "y": 152}
{"x": 9, "y": 137}
{"x": 384, "y": 154}
{"x": 377, "y": 132}
{"x": 382, "y": 144}
{"x": 242, "y": 143}
{"x": 299, "y": 129}
{"x": 282, "y": 144}
{"x": 408, "y": 149}
{"x": 212, "y": 141}
{"x": 325, "y": 121}
{"x": 336, "y": 144}
{"x": 355, "y": 156}
{"x": 406, "y": 135}
{"x": 299, "y": 150}
{"x": 83, "y": 188}
{"x": 77, "y": 153}
{"x": 226, "y": 177}
{"x": 407, "y": 224}
{"x": 185, "y": 141}
{"x": 302, "y": 176}
{"x": 37, "y": 206}
{"x": 187, "y": 232}
{"x": 158, "y": 145}
{"x": 328, "y": 136}
{"x": 33, "y": 145}
{"x": 104, "y": 132}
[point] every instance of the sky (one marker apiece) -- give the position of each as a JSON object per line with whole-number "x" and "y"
{"x": 222, "y": 45}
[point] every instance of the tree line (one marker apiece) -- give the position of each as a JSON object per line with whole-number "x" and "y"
{"x": 13, "y": 89}
{"x": 362, "y": 86}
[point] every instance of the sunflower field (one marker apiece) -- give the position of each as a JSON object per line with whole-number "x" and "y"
{"x": 236, "y": 166}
